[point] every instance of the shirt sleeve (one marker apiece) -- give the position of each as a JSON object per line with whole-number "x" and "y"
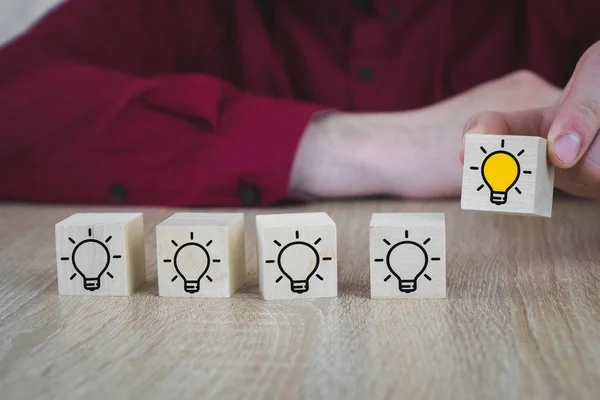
{"x": 78, "y": 131}
{"x": 585, "y": 26}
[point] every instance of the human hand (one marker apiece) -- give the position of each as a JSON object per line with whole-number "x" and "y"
{"x": 408, "y": 154}
{"x": 571, "y": 126}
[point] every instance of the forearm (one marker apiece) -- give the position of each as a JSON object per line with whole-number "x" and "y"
{"x": 362, "y": 154}
{"x": 335, "y": 158}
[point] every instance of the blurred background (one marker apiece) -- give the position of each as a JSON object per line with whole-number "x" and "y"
{"x": 17, "y": 15}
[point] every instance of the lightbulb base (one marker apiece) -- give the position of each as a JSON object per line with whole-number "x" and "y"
{"x": 299, "y": 286}
{"x": 408, "y": 286}
{"x": 91, "y": 284}
{"x": 498, "y": 198}
{"x": 191, "y": 286}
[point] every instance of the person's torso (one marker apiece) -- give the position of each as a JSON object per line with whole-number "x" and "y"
{"x": 390, "y": 55}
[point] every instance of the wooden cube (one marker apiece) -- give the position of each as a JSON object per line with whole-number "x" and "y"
{"x": 297, "y": 255}
{"x": 100, "y": 254}
{"x": 408, "y": 255}
{"x": 201, "y": 254}
{"x": 507, "y": 174}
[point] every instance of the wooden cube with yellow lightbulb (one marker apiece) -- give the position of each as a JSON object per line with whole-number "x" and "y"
{"x": 507, "y": 174}
{"x": 297, "y": 255}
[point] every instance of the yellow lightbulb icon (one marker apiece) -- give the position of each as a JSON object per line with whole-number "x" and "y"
{"x": 500, "y": 171}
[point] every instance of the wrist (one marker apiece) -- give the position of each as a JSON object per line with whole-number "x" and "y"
{"x": 415, "y": 154}
{"x": 334, "y": 159}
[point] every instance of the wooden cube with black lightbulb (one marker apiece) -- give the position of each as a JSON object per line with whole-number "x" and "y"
{"x": 507, "y": 174}
{"x": 408, "y": 255}
{"x": 297, "y": 255}
{"x": 100, "y": 254}
{"x": 201, "y": 254}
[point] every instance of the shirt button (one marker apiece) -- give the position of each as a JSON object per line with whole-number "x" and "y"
{"x": 249, "y": 194}
{"x": 331, "y": 18}
{"x": 118, "y": 192}
{"x": 394, "y": 11}
{"x": 363, "y": 5}
{"x": 365, "y": 73}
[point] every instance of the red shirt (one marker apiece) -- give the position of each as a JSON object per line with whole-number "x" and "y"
{"x": 199, "y": 102}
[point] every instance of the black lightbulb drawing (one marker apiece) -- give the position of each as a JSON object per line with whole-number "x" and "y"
{"x": 192, "y": 261}
{"x": 407, "y": 260}
{"x": 298, "y": 261}
{"x": 91, "y": 259}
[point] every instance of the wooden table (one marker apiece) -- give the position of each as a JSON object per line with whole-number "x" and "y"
{"x": 522, "y": 319}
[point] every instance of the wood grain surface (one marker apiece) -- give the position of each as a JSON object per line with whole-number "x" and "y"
{"x": 522, "y": 319}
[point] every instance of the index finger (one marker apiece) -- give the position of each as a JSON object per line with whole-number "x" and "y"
{"x": 528, "y": 123}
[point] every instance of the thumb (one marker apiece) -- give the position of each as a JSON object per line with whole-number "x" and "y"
{"x": 578, "y": 116}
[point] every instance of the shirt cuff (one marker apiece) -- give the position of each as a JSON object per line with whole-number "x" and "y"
{"x": 258, "y": 139}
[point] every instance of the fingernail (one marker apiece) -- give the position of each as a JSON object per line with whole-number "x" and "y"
{"x": 567, "y": 147}
{"x": 470, "y": 125}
